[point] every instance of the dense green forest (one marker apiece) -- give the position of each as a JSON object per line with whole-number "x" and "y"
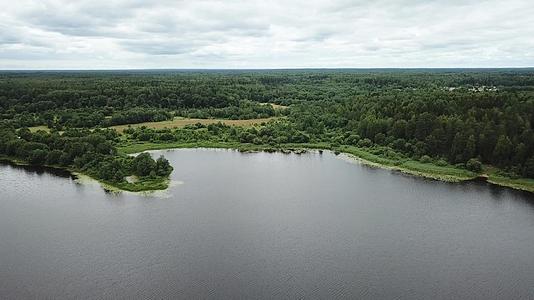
{"x": 466, "y": 118}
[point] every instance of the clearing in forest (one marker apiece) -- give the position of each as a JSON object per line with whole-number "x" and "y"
{"x": 181, "y": 122}
{"x": 177, "y": 122}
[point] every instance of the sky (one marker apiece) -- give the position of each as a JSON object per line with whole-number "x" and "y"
{"x": 147, "y": 34}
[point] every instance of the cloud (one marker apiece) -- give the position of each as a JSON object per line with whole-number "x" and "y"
{"x": 265, "y": 34}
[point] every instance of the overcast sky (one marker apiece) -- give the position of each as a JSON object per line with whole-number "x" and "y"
{"x": 118, "y": 34}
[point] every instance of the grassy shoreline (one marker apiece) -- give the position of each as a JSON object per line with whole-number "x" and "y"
{"x": 143, "y": 185}
{"x": 446, "y": 173}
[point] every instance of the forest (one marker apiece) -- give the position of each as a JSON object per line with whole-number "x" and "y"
{"x": 479, "y": 120}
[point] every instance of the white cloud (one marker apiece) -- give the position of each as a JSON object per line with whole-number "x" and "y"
{"x": 100, "y": 34}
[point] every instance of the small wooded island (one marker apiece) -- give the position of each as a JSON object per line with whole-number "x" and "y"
{"x": 451, "y": 125}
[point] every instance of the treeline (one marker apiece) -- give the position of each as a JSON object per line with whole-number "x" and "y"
{"x": 246, "y": 110}
{"x": 87, "y": 118}
{"x": 274, "y": 133}
{"x": 90, "y": 152}
{"x": 492, "y": 128}
{"x": 105, "y": 117}
{"x": 137, "y": 115}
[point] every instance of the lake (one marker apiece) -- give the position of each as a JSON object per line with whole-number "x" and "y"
{"x": 260, "y": 225}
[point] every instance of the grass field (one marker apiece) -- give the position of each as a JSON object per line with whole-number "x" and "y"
{"x": 37, "y": 128}
{"x": 276, "y": 106}
{"x": 181, "y": 122}
{"x": 178, "y": 122}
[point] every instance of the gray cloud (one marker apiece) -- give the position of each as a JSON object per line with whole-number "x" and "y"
{"x": 265, "y": 34}
{"x": 158, "y": 47}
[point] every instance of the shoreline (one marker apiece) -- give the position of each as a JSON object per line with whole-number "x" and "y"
{"x": 432, "y": 171}
{"x": 411, "y": 167}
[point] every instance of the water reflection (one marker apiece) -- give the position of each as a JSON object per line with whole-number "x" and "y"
{"x": 39, "y": 170}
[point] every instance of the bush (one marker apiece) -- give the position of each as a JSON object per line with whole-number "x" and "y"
{"x": 392, "y": 154}
{"x": 398, "y": 144}
{"x": 380, "y": 138}
{"x": 425, "y": 159}
{"x": 167, "y": 136}
{"x": 352, "y": 139}
{"x": 441, "y": 163}
{"x": 474, "y": 165}
{"x": 365, "y": 143}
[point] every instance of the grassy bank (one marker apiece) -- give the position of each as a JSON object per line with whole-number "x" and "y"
{"x": 143, "y": 185}
{"x": 524, "y": 184}
{"x": 430, "y": 170}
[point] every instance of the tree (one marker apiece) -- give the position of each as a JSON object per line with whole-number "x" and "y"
{"x": 528, "y": 169}
{"x": 520, "y": 154}
{"x": 38, "y": 156}
{"x": 53, "y": 157}
{"x": 474, "y": 165}
{"x": 163, "y": 167}
{"x": 503, "y": 150}
{"x": 399, "y": 128}
{"x": 470, "y": 148}
{"x": 423, "y": 125}
{"x": 143, "y": 164}
{"x": 25, "y": 134}
{"x": 457, "y": 148}
{"x": 380, "y": 138}
{"x": 352, "y": 139}
{"x": 111, "y": 170}
{"x": 65, "y": 159}
{"x": 364, "y": 143}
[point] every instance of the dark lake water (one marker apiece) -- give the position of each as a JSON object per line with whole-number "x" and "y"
{"x": 249, "y": 226}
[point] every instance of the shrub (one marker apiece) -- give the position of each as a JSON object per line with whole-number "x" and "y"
{"x": 352, "y": 139}
{"x": 380, "y": 138}
{"x": 474, "y": 165}
{"x": 425, "y": 159}
{"x": 441, "y": 162}
{"x": 365, "y": 143}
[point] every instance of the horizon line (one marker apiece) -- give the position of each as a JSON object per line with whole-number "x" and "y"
{"x": 265, "y": 69}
